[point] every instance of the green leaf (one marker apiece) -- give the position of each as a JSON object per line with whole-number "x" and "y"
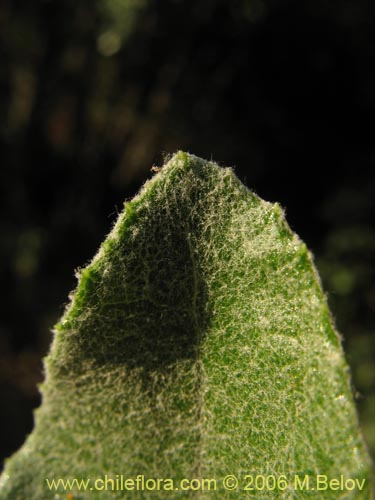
{"x": 197, "y": 344}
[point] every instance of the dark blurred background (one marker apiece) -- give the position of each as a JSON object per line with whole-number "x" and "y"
{"x": 93, "y": 93}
